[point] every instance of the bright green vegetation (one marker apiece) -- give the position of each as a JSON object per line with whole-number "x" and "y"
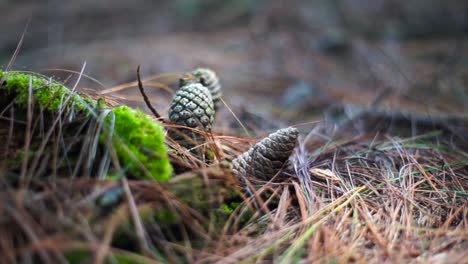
{"x": 139, "y": 143}
{"x": 138, "y": 140}
{"x": 50, "y": 94}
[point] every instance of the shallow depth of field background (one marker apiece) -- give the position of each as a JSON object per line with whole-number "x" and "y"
{"x": 288, "y": 59}
{"x": 386, "y": 185}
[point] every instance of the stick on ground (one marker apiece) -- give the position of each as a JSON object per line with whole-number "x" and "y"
{"x": 145, "y": 97}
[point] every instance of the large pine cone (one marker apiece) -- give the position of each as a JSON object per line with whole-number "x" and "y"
{"x": 268, "y": 156}
{"x": 207, "y": 78}
{"x": 191, "y": 106}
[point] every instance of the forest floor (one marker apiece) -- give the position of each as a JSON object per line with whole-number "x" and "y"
{"x": 381, "y": 166}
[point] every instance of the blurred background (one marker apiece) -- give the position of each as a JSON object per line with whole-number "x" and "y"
{"x": 288, "y": 60}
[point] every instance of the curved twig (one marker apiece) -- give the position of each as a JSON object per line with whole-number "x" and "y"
{"x": 145, "y": 97}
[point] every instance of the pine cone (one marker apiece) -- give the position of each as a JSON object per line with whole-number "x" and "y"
{"x": 191, "y": 106}
{"x": 268, "y": 156}
{"x": 207, "y": 78}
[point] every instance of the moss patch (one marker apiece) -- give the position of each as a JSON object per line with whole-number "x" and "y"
{"x": 139, "y": 141}
{"x": 48, "y": 93}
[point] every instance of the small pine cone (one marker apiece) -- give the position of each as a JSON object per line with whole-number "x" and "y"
{"x": 191, "y": 106}
{"x": 268, "y": 156}
{"x": 207, "y": 78}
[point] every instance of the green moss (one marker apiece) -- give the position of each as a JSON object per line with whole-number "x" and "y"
{"x": 48, "y": 93}
{"x": 226, "y": 209}
{"x": 139, "y": 141}
{"x": 229, "y": 208}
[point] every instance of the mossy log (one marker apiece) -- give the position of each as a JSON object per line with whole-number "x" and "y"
{"x": 67, "y": 134}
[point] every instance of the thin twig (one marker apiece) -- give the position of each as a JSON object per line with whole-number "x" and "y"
{"x": 145, "y": 97}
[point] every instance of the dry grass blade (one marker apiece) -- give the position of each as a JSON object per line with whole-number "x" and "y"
{"x": 147, "y": 80}
{"x": 27, "y": 139}
{"x": 135, "y": 216}
{"x": 301, "y": 240}
{"x": 18, "y": 47}
{"x": 96, "y": 81}
{"x": 104, "y": 247}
